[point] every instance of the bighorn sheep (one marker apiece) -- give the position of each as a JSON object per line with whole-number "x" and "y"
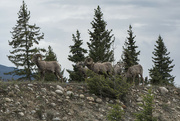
{"x": 47, "y": 66}
{"x": 81, "y": 68}
{"x": 118, "y": 68}
{"x": 99, "y": 68}
{"x": 134, "y": 71}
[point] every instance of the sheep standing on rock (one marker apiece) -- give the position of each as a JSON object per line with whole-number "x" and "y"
{"x": 134, "y": 71}
{"x": 47, "y": 66}
{"x": 104, "y": 68}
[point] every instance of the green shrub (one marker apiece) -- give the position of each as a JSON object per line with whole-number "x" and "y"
{"x": 116, "y": 113}
{"x": 146, "y": 113}
{"x": 112, "y": 87}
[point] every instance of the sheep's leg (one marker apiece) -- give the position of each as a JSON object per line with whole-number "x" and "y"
{"x": 139, "y": 79}
{"x": 42, "y": 76}
{"x": 58, "y": 75}
{"x": 142, "y": 79}
{"x": 134, "y": 76}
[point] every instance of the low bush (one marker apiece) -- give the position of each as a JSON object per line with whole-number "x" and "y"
{"x": 147, "y": 113}
{"x": 116, "y": 113}
{"x": 112, "y": 87}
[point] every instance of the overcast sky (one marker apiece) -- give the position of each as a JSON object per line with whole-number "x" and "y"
{"x": 59, "y": 19}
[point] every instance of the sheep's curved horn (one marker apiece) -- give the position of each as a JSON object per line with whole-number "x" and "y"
{"x": 39, "y": 55}
{"x": 89, "y": 60}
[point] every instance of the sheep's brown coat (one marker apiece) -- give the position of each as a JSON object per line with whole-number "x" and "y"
{"x": 134, "y": 71}
{"x": 99, "y": 68}
{"x": 47, "y": 66}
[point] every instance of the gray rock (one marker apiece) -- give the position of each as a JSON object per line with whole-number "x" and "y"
{"x": 30, "y": 85}
{"x": 139, "y": 99}
{"x": 7, "y": 99}
{"x": 21, "y": 113}
{"x": 11, "y": 94}
{"x": 65, "y": 118}
{"x": 99, "y": 100}
{"x": 53, "y": 104}
{"x": 30, "y": 88}
{"x": 111, "y": 101}
{"x": 16, "y": 86}
{"x": 107, "y": 99}
{"x": 81, "y": 96}
{"x": 53, "y": 93}
{"x": 43, "y": 89}
{"x": 163, "y": 90}
{"x": 67, "y": 97}
{"x": 90, "y": 98}
{"x": 70, "y": 93}
{"x": 139, "y": 103}
{"x": 56, "y": 119}
{"x": 33, "y": 111}
{"x": 58, "y": 87}
{"x": 59, "y": 92}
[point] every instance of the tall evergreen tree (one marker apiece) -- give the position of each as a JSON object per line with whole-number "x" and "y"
{"x": 101, "y": 40}
{"x": 160, "y": 72}
{"x": 78, "y": 55}
{"x": 24, "y": 36}
{"x": 130, "y": 55}
{"x": 50, "y": 56}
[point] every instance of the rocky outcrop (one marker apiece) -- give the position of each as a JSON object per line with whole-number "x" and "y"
{"x": 73, "y": 102}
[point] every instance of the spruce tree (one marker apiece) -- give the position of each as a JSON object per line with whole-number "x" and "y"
{"x": 101, "y": 39}
{"x": 160, "y": 72}
{"x": 24, "y": 36}
{"x": 78, "y": 55}
{"x": 50, "y": 56}
{"x": 130, "y": 54}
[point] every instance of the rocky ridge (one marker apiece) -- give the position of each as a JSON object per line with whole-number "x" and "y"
{"x": 73, "y": 102}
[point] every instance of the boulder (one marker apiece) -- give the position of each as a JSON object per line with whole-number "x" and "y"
{"x": 163, "y": 90}
{"x": 90, "y": 98}
{"x": 59, "y": 92}
{"x": 70, "y": 93}
{"x": 99, "y": 100}
{"x": 58, "y": 87}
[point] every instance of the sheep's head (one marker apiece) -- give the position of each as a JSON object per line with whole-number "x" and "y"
{"x": 35, "y": 58}
{"x": 79, "y": 64}
{"x": 88, "y": 61}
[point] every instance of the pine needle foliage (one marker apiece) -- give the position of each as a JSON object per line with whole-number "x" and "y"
{"x": 116, "y": 113}
{"x": 24, "y": 37}
{"x": 77, "y": 55}
{"x": 160, "y": 72}
{"x": 130, "y": 54}
{"x": 50, "y": 56}
{"x": 101, "y": 39}
{"x": 107, "y": 87}
{"x": 146, "y": 114}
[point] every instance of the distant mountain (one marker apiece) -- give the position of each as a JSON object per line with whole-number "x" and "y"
{"x": 5, "y": 69}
